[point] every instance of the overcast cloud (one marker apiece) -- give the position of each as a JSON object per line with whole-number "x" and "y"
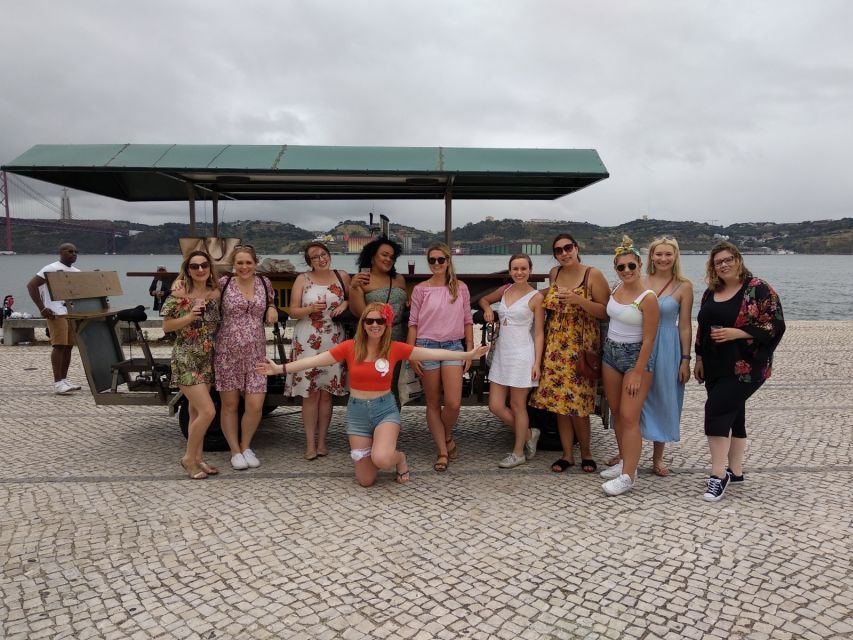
{"x": 726, "y": 110}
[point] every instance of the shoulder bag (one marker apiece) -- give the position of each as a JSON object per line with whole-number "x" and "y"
{"x": 589, "y": 362}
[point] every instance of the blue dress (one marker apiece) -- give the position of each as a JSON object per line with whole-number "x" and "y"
{"x": 661, "y": 416}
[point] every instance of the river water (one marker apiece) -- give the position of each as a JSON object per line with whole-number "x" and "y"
{"x": 812, "y": 287}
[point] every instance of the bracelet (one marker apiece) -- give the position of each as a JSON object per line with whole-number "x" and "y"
{"x": 685, "y": 358}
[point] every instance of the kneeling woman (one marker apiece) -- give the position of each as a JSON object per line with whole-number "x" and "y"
{"x": 373, "y": 420}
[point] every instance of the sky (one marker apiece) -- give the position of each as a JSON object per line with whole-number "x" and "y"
{"x": 714, "y": 111}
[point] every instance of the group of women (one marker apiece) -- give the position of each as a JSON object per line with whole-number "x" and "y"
{"x": 549, "y": 353}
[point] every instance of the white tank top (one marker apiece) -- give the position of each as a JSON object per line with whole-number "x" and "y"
{"x": 626, "y": 320}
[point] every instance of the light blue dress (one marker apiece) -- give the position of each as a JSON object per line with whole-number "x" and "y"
{"x": 661, "y": 417}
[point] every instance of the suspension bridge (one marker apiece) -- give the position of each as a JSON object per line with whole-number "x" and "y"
{"x": 25, "y": 207}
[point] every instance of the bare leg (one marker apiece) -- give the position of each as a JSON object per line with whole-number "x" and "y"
{"x": 324, "y": 418}
{"x": 658, "y": 465}
{"x": 253, "y": 405}
{"x": 567, "y": 438}
{"x": 737, "y": 452}
{"x": 432, "y": 394}
{"x": 580, "y": 427}
{"x": 612, "y": 380}
{"x": 518, "y": 404}
{"x": 60, "y": 360}
{"x": 451, "y": 382}
{"x": 202, "y": 412}
{"x": 365, "y": 470}
{"x": 310, "y": 413}
{"x": 228, "y": 419}
{"x": 720, "y": 447}
{"x": 629, "y": 424}
{"x": 498, "y": 406}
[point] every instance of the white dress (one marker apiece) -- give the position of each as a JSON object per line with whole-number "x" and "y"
{"x": 515, "y": 352}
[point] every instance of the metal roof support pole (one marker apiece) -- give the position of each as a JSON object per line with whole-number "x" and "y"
{"x": 448, "y": 211}
{"x": 4, "y": 200}
{"x": 215, "y": 203}
{"x": 191, "y": 198}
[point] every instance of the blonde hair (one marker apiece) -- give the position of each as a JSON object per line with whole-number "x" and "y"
{"x": 625, "y": 248}
{"x": 360, "y": 351}
{"x": 450, "y": 280}
{"x": 676, "y": 264}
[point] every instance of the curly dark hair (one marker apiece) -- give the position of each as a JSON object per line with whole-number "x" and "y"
{"x": 365, "y": 258}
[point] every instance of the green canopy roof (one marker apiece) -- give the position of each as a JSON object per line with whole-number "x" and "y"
{"x": 160, "y": 172}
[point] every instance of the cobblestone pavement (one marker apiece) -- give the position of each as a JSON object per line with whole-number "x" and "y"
{"x": 101, "y": 536}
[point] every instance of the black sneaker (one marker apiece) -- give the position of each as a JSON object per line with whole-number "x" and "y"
{"x": 733, "y": 478}
{"x": 716, "y": 488}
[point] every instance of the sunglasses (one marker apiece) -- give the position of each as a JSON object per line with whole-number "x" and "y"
{"x": 439, "y": 260}
{"x": 198, "y": 266}
{"x": 564, "y": 248}
{"x": 379, "y": 321}
{"x": 631, "y": 266}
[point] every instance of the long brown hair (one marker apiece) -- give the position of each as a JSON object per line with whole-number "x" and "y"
{"x": 712, "y": 279}
{"x": 450, "y": 279}
{"x": 210, "y": 283}
{"x": 361, "y": 337}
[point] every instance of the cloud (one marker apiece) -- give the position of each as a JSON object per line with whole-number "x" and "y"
{"x": 700, "y": 110}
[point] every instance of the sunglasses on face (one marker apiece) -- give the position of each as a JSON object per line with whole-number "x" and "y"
{"x": 564, "y": 248}
{"x": 198, "y": 266}
{"x": 439, "y": 260}
{"x": 728, "y": 260}
{"x": 379, "y": 321}
{"x": 631, "y": 266}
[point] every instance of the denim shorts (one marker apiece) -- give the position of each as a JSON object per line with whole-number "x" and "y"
{"x": 622, "y": 356}
{"x": 451, "y": 345}
{"x": 363, "y": 416}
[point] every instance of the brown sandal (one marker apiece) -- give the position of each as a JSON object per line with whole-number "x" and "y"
{"x": 194, "y": 471}
{"x": 403, "y": 476}
{"x": 660, "y": 470}
{"x": 440, "y": 466}
{"x": 452, "y": 452}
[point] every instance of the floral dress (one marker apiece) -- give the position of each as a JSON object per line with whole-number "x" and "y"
{"x": 192, "y": 355}
{"x": 241, "y": 340}
{"x": 314, "y": 335}
{"x": 569, "y": 331}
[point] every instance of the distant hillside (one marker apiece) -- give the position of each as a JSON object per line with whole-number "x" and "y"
{"x": 272, "y": 237}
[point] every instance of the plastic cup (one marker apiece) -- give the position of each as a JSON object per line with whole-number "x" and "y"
{"x": 411, "y": 267}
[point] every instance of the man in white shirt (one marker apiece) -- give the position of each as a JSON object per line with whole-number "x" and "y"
{"x": 61, "y": 332}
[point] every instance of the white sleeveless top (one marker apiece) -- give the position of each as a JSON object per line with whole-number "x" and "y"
{"x": 626, "y": 320}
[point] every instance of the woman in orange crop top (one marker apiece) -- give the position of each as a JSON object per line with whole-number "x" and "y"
{"x": 373, "y": 420}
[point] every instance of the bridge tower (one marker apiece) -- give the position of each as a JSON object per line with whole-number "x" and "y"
{"x": 65, "y": 213}
{"x": 4, "y": 201}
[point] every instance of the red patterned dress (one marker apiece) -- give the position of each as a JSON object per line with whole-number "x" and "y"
{"x": 314, "y": 334}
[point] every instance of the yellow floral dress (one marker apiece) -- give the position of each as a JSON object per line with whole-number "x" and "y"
{"x": 569, "y": 331}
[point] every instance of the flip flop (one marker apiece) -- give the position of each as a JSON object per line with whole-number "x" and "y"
{"x": 562, "y": 464}
{"x": 404, "y": 476}
{"x": 322, "y": 454}
{"x": 588, "y": 466}
{"x": 452, "y": 452}
{"x": 311, "y": 456}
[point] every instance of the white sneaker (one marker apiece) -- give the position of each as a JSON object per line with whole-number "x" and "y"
{"x": 74, "y": 387}
{"x": 251, "y": 459}
{"x": 612, "y": 472}
{"x": 239, "y": 462}
{"x": 511, "y": 461}
{"x": 618, "y": 485}
{"x": 62, "y": 388}
{"x": 530, "y": 445}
